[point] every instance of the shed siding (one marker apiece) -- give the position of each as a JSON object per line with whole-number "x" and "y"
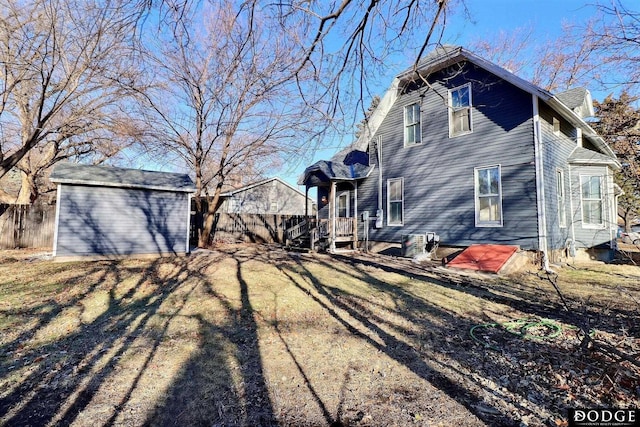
{"x": 105, "y": 221}
{"x": 556, "y": 151}
{"x": 439, "y": 173}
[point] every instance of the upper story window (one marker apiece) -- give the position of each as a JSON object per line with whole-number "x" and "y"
{"x": 488, "y": 196}
{"x": 591, "y": 195}
{"x": 460, "y": 110}
{"x": 412, "y": 129}
{"x": 395, "y": 201}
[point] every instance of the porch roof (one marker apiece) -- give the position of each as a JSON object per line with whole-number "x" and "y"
{"x": 354, "y": 166}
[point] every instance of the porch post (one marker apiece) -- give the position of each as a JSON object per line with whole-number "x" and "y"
{"x": 355, "y": 217}
{"x": 332, "y": 216}
{"x": 306, "y": 202}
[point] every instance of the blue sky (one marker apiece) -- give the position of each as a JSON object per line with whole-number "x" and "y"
{"x": 485, "y": 19}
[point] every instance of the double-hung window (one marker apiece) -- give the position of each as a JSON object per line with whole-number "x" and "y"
{"x": 460, "y": 110}
{"x": 591, "y": 191}
{"x": 395, "y": 201}
{"x": 562, "y": 202}
{"x": 488, "y": 194}
{"x": 412, "y": 130}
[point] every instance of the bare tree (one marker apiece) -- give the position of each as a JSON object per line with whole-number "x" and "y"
{"x": 65, "y": 72}
{"x": 619, "y": 124}
{"x": 616, "y": 37}
{"x": 224, "y": 101}
{"x": 349, "y": 43}
{"x": 601, "y": 53}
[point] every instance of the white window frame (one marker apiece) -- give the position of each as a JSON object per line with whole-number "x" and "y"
{"x": 561, "y": 197}
{"x": 478, "y": 196}
{"x": 417, "y": 125}
{"x": 273, "y": 207}
{"x": 585, "y": 224}
{"x": 389, "y": 201}
{"x": 453, "y": 110}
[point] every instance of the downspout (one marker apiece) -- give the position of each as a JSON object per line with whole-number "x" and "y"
{"x": 379, "y": 155}
{"x": 540, "y": 196}
{"x": 572, "y": 252}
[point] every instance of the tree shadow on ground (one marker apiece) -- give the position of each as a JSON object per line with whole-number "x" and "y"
{"x": 219, "y": 376}
{"x": 64, "y": 377}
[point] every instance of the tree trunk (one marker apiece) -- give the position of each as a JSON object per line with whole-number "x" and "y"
{"x": 213, "y": 205}
{"x": 28, "y": 190}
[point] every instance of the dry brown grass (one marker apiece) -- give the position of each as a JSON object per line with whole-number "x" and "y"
{"x": 248, "y": 335}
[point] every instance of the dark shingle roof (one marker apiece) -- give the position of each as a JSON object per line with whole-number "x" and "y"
{"x": 352, "y": 167}
{"x": 107, "y": 176}
{"x": 573, "y": 98}
{"x": 582, "y": 155}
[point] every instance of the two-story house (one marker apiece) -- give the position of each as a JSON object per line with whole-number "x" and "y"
{"x": 463, "y": 148}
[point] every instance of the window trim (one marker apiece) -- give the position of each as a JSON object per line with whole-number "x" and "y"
{"x": 451, "y": 110}
{"x": 590, "y": 225}
{"x": 561, "y": 198}
{"x": 389, "y": 201}
{"x": 476, "y": 197}
{"x": 407, "y": 125}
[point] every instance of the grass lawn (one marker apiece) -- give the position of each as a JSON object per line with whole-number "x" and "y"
{"x": 250, "y": 335}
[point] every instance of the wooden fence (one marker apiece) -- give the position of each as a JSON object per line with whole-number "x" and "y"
{"x": 32, "y": 226}
{"x": 258, "y": 228}
{"x": 27, "y": 226}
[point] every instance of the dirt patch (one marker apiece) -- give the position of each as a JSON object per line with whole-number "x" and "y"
{"x": 253, "y": 335}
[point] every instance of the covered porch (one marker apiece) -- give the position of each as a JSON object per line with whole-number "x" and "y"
{"x": 335, "y": 226}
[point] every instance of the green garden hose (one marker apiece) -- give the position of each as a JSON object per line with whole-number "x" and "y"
{"x": 522, "y": 328}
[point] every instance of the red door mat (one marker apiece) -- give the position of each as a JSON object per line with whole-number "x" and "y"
{"x": 489, "y": 258}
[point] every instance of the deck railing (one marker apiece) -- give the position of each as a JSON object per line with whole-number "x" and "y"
{"x": 321, "y": 229}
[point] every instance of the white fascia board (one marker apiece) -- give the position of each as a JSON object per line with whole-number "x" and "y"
{"x": 379, "y": 114}
{"x": 119, "y": 185}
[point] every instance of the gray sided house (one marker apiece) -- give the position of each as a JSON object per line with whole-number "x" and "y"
{"x": 107, "y": 212}
{"x": 468, "y": 150}
{"x": 270, "y": 196}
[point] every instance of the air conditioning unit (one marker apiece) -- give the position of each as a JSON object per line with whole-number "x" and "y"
{"x": 413, "y": 244}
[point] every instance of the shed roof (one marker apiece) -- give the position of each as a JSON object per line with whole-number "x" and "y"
{"x": 107, "y": 176}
